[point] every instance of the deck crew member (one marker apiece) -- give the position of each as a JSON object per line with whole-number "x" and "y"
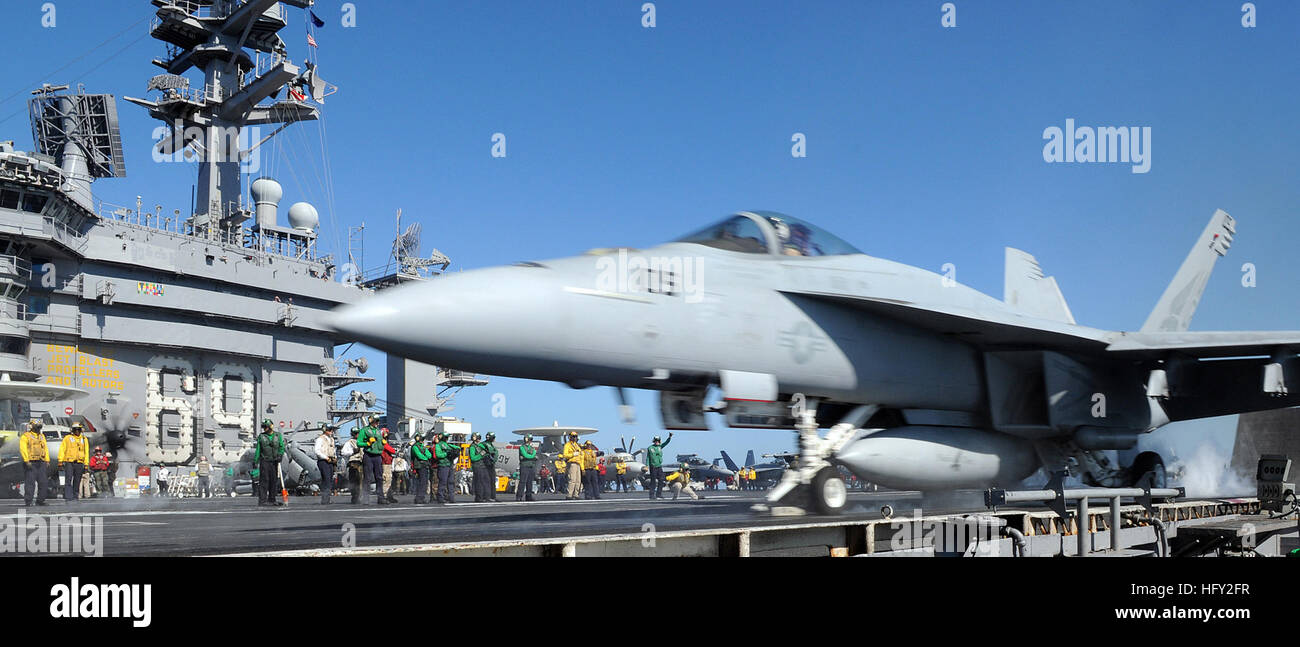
{"x": 87, "y": 490}
{"x": 681, "y": 480}
{"x": 430, "y": 443}
{"x": 527, "y": 469}
{"x": 590, "y": 477}
{"x": 561, "y": 485}
{"x": 204, "y": 481}
{"x": 99, "y": 472}
{"x": 74, "y": 456}
{"x": 270, "y": 449}
{"x": 544, "y": 484}
{"x": 164, "y": 477}
{"x": 572, "y": 455}
{"x": 654, "y": 456}
{"x": 490, "y": 463}
{"x": 36, "y": 461}
{"x": 372, "y": 447}
{"x": 386, "y": 460}
{"x": 476, "y": 465}
{"x": 446, "y": 454}
{"x": 325, "y": 461}
{"x": 620, "y": 471}
{"x": 420, "y": 457}
{"x": 352, "y": 453}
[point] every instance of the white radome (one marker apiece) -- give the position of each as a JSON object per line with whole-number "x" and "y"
{"x": 303, "y": 216}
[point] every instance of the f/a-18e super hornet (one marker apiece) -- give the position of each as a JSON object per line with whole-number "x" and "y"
{"x": 763, "y": 472}
{"x": 700, "y": 469}
{"x": 924, "y": 383}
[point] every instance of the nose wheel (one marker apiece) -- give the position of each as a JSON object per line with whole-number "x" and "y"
{"x": 829, "y": 493}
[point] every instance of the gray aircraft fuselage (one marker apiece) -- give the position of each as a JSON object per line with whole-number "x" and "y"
{"x": 967, "y": 390}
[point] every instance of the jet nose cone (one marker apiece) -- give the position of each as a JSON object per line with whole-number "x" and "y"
{"x": 368, "y": 322}
{"x": 494, "y": 320}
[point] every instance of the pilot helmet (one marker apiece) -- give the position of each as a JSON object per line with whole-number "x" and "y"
{"x": 800, "y": 232}
{"x": 782, "y": 229}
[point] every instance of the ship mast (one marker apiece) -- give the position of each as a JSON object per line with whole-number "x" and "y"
{"x": 216, "y": 37}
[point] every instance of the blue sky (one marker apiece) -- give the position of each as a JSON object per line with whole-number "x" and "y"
{"x": 924, "y": 144}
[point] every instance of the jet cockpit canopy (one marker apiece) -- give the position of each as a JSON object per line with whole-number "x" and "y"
{"x": 768, "y": 232}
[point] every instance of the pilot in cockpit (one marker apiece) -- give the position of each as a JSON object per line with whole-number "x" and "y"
{"x": 796, "y": 239}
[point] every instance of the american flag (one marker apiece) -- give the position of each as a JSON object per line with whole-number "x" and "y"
{"x": 297, "y": 95}
{"x": 311, "y": 41}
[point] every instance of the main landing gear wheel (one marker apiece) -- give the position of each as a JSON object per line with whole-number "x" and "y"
{"x": 829, "y": 493}
{"x": 1149, "y": 463}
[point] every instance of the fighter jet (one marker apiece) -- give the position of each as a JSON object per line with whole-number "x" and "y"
{"x": 764, "y": 472}
{"x": 700, "y": 468}
{"x": 922, "y": 383}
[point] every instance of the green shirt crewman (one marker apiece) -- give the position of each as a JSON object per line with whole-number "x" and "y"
{"x": 270, "y": 449}
{"x": 371, "y": 442}
{"x": 654, "y": 458}
{"x": 527, "y": 470}
{"x": 445, "y": 453}
{"x": 420, "y": 465}
{"x": 490, "y": 464}
{"x": 476, "y": 456}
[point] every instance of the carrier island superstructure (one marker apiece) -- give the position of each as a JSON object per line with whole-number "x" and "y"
{"x": 184, "y": 328}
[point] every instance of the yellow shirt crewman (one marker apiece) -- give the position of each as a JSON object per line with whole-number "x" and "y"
{"x": 74, "y": 457}
{"x": 36, "y": 460}
{"x": 572, "y": 456}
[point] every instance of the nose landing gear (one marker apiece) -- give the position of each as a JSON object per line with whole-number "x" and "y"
{"x": 813, "y": 480}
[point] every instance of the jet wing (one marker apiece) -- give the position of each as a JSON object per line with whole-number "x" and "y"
{"x": 982, "y": 328}
{"x": 1203, "y": 344}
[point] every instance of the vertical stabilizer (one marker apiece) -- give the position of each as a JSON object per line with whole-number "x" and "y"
{"x": 1173, "y": 313}
{"x": 731, "y": 465}
{"x": 1025, "y": 287}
